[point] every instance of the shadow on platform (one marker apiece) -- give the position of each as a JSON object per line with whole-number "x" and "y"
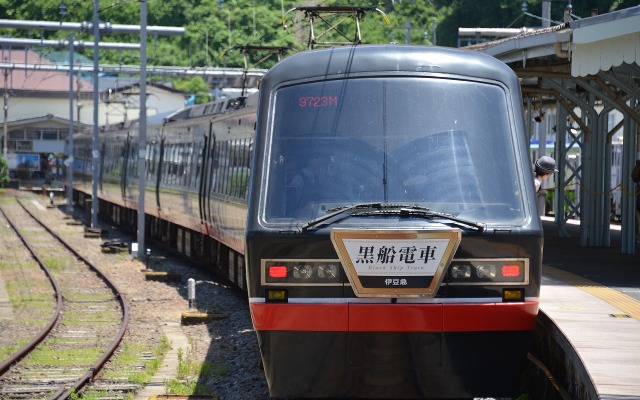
{"x": 604, "y": 265}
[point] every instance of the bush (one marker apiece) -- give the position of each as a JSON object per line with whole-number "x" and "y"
{"x": 4, "y": 172}
{"x": 570, "y": 197}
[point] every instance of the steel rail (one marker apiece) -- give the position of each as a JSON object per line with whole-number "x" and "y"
{"x": 21, "y": 353}
{"x": 64, "y": 392}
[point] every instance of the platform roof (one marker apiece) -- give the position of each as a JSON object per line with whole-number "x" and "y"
{"x": 588, "y": 68}
{"x": 606, "y": 41}
{"x": 585, "y": 46}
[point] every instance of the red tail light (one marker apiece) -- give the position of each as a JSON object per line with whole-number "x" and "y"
{"x": 307, "y": 272}
{"x": 510, "y": 270}
{"x": 277, "y": 271}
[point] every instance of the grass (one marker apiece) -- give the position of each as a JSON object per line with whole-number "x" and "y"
{"x": 56, "y": 264}
{"x": 38, "y": 298}
{"x": 92, "y": 394}
{"x": 30, "y": 294}
{"x": 46, "y": 355}
{"x": 191, "y": 377}
{"x": 7, "y": 351}
{"x": 97, "y": 316}
{"x": 29, "y": 289}
{"x": 130, "y": 364}
{"x": 85, "y": 297}
{"x": 72, "y": 341}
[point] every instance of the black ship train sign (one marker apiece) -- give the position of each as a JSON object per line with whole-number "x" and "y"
{"x": 395, "y": 263}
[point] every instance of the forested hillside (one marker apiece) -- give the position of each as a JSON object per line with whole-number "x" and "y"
{"x": 214, "y": 27}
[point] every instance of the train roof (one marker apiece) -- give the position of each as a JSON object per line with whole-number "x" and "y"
{"x": 362, "y": 59}
{"x": 213, "y": 108}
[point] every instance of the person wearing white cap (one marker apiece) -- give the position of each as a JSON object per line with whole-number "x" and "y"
{"x": 544, "y": 167}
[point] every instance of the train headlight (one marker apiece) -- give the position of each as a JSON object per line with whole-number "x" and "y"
{"x": 506, "y": 271}
{"x": 301, "y": 272}
{"x": 486, "y": 271}
{"x": 460, "y": 271}
{"x": 304, "y": 271}
{"x": 328, "y": 271}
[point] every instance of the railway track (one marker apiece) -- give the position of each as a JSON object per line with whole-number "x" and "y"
{"x": 87, "y": 322}
{"x": 227, "y": 345}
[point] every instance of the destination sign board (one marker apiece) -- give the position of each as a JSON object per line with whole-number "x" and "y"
{"x": 395, "y": 263}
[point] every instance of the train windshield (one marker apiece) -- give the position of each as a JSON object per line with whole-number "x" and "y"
{"x": 443, "y": 144}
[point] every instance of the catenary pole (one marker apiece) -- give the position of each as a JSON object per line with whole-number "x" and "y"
{"x": 70, "y": 138}
{"x": 96, "y": 103}
{"x": 142, "y": 146}
{"x": 6, "y": 111}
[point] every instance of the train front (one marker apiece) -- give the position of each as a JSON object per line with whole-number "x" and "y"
{"x": 393, "y": 245}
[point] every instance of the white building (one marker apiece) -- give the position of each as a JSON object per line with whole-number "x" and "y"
{"x": 40, "y": 102}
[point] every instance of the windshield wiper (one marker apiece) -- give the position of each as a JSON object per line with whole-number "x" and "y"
{"x": 426, "y": 213}
{"x": 390, "y": 209}
{"x": 347, "y": 210}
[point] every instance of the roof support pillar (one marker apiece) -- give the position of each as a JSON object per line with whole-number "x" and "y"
{"x": 592, "y": 184}
{"x": 580, "y": 203}
{"x": 613, "y": 100}
{"x": 629, "y": 222}
{"x": 594, "y": 208}
{"x": 560, "y": 195}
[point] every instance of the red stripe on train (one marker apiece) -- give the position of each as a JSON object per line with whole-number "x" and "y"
{"x": 394, "y": 317}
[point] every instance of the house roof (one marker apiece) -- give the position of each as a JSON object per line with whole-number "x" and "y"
{"x": 49, "y": 118}
{"x": 127, "y": 84}
{"x": 33, "y": 79}
{"x": 62, "y": 57}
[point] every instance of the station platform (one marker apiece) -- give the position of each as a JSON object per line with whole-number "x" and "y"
{"x": 591, "y": 295}
{"x": 38, "y": 186}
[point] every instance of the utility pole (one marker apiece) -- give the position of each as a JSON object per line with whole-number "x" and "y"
{"x": 546, "y": 13}
{"x": 70, "y": 138}
{"x": 142, "y": 146}
{"x": 95, "y": 153}
{"x": 6, "y": 111}
{"x": 407, "y": 32}
{"x": 433, "y": 36}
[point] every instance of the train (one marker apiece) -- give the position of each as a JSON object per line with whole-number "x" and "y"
{"x": 375, "y": 202}
{"x": 197, "y": 179}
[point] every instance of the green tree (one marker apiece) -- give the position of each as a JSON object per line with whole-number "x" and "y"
{"x": 4, "y": 171}
{"x": 194, "y": 85}
{"x": 411, "y": 22}
{"x": 454, "y": 14}
{"x": 213, "y": 28}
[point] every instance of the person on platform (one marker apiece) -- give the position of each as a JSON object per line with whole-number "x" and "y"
{"x": 544, "y": 167}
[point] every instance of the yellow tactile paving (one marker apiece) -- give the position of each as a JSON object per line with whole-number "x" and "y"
{"x": 621, "y": 301}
